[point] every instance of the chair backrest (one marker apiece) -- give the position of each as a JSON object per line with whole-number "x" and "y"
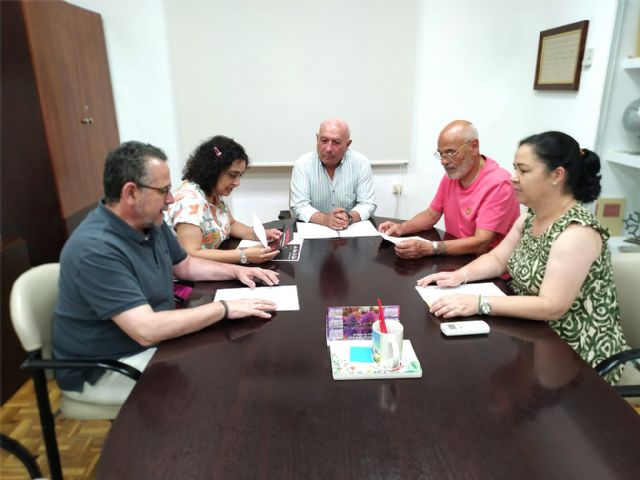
{"x": 33, "y": 298}
{"x": 626, "y": 273}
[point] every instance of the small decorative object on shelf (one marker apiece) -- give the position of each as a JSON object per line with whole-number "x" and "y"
{"x": 631, "y": 118}
{"x": 632, "y": 225}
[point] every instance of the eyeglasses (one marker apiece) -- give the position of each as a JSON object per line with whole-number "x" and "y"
{"x": 163, "y": 190}
{"x": 450, "y": 155}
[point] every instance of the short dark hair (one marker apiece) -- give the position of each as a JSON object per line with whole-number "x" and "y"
{"x": 211, "y": 159}
{"x": 127, "y": 163}
{"x": 557, "y": 149}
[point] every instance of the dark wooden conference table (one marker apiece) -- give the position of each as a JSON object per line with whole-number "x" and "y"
{"x": 255, "y": 399}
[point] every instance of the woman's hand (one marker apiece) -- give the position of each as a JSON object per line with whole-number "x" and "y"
{"x": 273, "y": 234}
{"x": 455, "y": 306}
{"x": 260, "y": 254}
{"x": 444, "y": 279}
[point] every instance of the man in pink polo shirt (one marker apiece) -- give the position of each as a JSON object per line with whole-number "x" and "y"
{"x": 475, "y": 196}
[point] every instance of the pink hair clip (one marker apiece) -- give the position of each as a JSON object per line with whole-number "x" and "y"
{"x": 217, "y": 152}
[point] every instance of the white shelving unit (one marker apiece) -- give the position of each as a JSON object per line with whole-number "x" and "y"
{"x": 624, "y": 158}
{"x": 631, "y": 63}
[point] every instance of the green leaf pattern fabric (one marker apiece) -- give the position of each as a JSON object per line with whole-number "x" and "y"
{"x": 592, "y": 325}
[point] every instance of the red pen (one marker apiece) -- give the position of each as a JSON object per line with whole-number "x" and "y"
{"x": 383, "y": 326}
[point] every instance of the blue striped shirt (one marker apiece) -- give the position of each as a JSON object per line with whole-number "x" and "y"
{"x": 351, "y": 188}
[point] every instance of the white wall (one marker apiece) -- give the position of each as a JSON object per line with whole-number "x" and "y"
{"x": 138, "y": 53}
{"x": 475, "y": 60}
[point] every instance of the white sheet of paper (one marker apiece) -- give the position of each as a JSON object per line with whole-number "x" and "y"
{"x": 397, "y": 240}
{"x": 358, "y": 229}
{"x": 259, "y": 229}
{"x": 313, "y": 230}
{"x": 297, "y": 239}
{"x": 431, "y": 293}
{"x": 249, "y": 243}
{"x": 284, "y": 296}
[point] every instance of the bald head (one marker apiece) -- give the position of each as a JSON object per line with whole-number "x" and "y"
{"x": 460, "y": 131}
{"x": 332, "y": 141}
{"x": 459, "y": 151}
{"x": 336, "y": 125}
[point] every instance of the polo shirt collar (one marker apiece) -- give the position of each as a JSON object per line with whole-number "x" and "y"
{"x": 122, "y": 228}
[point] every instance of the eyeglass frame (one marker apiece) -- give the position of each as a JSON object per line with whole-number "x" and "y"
{"x": 451, "y": 156}
{"x": 163, "y": 190}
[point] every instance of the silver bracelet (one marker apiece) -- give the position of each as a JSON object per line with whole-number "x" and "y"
{"x": 464, "y": 274}
{"x": 434, "y": 245}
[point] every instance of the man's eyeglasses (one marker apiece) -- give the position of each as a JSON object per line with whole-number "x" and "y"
{"x": 163, "y": 190}
{"x": 450, "y": 155}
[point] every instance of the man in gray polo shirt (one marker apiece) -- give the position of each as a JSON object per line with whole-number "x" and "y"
{"x": 116, "y": 279}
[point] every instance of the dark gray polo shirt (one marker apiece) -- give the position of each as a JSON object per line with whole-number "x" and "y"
{"x": 106, "y": 268}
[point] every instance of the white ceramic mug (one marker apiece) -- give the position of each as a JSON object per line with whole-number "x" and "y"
{"x": 387, "y": 347}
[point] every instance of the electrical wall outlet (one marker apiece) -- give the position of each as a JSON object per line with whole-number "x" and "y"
{"x": 397, "y": 189}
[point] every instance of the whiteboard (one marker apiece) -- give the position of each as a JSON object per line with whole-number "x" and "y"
{"x": 267, "y": 72}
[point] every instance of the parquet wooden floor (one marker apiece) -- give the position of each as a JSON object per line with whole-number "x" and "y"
{"x": 80, "y": 441}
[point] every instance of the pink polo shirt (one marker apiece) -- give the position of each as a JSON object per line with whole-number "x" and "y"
{"x": 489, "y": 203}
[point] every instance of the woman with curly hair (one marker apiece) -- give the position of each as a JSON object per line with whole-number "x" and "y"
{"x": 201, "y": 218}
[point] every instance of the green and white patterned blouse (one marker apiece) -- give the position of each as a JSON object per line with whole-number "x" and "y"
{"x": 592, "y": 325}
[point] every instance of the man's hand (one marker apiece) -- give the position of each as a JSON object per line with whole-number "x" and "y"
{"x": 392, "y": 229}
{"x": 250, "y": 307}
{"x": 336, "y": 219}
{"x": 413, "y": 249}
{"x": 247, "y": 274}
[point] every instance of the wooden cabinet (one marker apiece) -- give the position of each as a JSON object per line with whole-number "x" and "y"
{"x": 58, "y": 121}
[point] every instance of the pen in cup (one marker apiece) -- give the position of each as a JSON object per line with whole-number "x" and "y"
{"x": 383, "y": 326}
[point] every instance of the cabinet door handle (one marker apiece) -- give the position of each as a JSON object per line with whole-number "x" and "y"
{"x": 87, "y": 121}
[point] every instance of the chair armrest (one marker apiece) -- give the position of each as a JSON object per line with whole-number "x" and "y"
{"x": 627, "y": 390}
{"x": 106, "y": 364}
{"x": 608, "y": 364}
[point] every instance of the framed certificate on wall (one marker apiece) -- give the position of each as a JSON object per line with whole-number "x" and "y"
{"x": 560, "y": 53}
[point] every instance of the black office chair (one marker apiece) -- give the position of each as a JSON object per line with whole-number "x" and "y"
{"x": 21, "y": 453}
{"x": 626, "y": 272}
{"x": 33, "y": 297}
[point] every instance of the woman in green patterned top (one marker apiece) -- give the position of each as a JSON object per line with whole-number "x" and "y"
{"x": 556, "y": 253}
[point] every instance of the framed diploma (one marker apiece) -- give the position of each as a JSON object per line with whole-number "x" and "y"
{"x": 560, "y": 53}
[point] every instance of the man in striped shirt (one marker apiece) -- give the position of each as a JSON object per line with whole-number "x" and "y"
{"x": 333, "y": 186}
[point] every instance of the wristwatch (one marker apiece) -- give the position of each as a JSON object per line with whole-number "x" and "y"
{"x": 436, "y": 249}
{"x": 484, "y": 307}
{"x": 243, "y": 258}
{"x": 350, "y": 218}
